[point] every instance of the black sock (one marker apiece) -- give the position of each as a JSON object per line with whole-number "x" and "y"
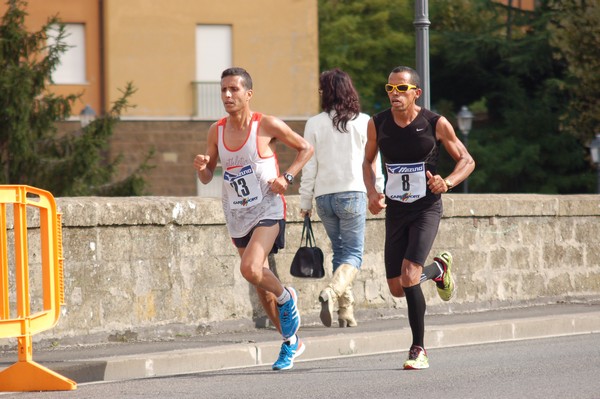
{"x": 416, "y": 313}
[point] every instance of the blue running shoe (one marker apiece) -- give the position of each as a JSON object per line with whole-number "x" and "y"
{"x": 289, "y": 316}
{"x": 288, "y": 353}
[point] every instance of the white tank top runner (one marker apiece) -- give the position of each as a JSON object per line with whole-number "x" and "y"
{"x": 247, "y": 196}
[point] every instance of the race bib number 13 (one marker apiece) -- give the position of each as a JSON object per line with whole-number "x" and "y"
{"x": 242, "y": 188}
{"x": 406, "y": 182}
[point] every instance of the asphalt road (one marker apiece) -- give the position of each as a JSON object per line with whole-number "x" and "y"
{"x": 562, "y": 367}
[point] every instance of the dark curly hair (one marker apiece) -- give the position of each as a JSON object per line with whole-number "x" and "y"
{"x": 338, "y": 94}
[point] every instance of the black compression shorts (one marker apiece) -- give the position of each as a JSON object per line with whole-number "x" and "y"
{"x": 410, "y": 235}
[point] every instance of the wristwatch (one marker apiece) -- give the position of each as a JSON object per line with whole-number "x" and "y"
{"x": 448, "y": 184}
{"x": 289, "y": 178}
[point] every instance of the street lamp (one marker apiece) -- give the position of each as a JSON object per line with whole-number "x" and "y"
{"x": 465, "y": 121}
{"x": 595, "y": 153}
{"x": 86, "y": 116}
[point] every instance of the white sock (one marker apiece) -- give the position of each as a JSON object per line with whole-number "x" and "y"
{"x": 284, "y": 297}
{"x": 292, "y": 340}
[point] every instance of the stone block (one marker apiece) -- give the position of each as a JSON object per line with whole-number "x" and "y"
{"x": 579, "y": 205}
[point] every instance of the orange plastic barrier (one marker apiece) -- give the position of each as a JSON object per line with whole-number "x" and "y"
{"x": 27, "y": 375}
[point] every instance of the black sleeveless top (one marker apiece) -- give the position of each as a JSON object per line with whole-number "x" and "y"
{"x": 413, "y": 143}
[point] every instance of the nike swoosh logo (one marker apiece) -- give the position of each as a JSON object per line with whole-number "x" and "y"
{"x": 418, "y": 130}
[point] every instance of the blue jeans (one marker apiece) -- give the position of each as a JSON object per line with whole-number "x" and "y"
{"x": 344, "y": 216}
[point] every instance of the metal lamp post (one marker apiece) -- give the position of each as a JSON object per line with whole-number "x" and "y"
{"x": 465, "y": 121}
{"x": 595, "y": 153}
{"x": 421, "y": 24}
{"x": 86, "y": 116}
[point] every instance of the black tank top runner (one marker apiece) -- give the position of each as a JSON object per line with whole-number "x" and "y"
{"x": 413, "y": 143}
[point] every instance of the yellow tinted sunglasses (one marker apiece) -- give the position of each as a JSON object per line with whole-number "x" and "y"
{"x": 401, "y": 88}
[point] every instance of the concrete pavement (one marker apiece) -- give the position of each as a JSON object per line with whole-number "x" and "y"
{"x": 376, "y": 333}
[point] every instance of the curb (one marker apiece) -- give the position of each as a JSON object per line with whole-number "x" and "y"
{"x": 231, "y": 356}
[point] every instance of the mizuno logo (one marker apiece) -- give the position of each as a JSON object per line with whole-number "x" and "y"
{"x": 405, "y": 168}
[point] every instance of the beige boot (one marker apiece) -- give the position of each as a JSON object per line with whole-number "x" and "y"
{"x": 342, "y": 278}
{"x": 346, "y": 309}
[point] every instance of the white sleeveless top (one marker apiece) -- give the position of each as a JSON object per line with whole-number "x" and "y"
{"x": 247, "y": 196}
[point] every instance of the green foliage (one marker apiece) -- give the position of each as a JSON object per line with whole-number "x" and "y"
{"x": 367, "y": 39}
{"x": 31, "y": 151}
{"x": 575, "y": 37}
{"x": 530, "y": 78}
{"x": 80, "y": 161}
{"x": 517, "y": 142}
{"x": 27, "y": 112}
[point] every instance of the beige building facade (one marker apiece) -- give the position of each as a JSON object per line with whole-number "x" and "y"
{"x": 174, "y": 50}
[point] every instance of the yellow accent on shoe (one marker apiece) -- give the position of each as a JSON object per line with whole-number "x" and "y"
{"x": 449, "y": 290}
{"x": 417, "y": 359}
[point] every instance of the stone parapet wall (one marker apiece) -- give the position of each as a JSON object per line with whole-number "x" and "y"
{"x": 148, "y": 264}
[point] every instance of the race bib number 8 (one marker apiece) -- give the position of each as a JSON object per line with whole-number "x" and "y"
{"x": 406, "y": 182}
{"x": 242, "y": 188}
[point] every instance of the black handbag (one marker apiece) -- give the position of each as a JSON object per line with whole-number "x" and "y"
{"x": 308, "y": 261}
